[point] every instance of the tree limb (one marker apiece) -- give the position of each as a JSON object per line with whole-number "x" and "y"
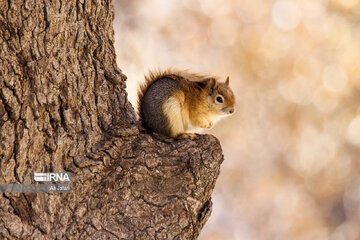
{"x": 63, "y": 107}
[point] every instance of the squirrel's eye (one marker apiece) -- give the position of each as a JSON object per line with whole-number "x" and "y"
{"x": 219, "y": 99}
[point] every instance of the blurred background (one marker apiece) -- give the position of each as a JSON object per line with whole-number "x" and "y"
{"x": 292, "y": 148}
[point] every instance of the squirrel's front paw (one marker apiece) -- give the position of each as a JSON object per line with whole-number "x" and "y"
{"x": 206, "y": 124}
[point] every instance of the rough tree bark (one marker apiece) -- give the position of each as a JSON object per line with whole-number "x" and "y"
{"x": 63, "y": 107}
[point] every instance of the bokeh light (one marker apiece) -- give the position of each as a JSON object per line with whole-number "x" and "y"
{"x": 286, "y": 14}
{"x": 292, "y": 148}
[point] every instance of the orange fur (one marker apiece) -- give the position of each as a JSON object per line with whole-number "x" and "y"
{"x": 192, "y": 107}
{"x": 181, "y": 76}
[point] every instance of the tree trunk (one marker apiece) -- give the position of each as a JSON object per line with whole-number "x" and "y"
{"x": 63, "y": 108}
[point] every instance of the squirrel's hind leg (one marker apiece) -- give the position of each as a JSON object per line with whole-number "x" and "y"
{"x": 172, "y": 110}
{"x": 191, "y": 136}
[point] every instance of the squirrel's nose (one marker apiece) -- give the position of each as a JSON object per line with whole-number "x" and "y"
{"x": 228, "y": 110}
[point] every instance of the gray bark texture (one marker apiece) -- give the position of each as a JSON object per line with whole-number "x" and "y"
{"x": 63, "y": 107}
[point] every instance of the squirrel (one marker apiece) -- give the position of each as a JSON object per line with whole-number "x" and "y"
{"x": 178, "y": 103}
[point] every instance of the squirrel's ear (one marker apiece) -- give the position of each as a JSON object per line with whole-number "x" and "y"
{"x": 227, "y": 81}
{"x": 209, "y": 83}
{"x": 212, "y": 85}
